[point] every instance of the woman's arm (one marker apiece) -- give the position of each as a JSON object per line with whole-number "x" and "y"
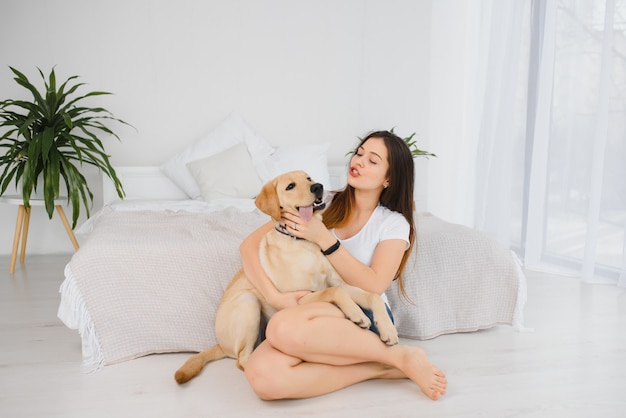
{"x": 249, "y": 250}
{"x": 374, "y": 278}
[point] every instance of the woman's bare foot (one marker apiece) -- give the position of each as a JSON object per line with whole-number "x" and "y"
{"x": 429, "y": 378}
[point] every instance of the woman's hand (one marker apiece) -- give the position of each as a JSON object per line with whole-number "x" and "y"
{"x": 282, "y": 300}
{"x": 313, "y": 230}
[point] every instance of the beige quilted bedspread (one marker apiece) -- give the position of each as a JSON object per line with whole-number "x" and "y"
{"x": 150, "y": 282}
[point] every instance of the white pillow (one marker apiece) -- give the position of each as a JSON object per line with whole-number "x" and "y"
{"x": 231, "y": 131}
{"x": 310, "y": 158}
{"x": 227, "y": 174}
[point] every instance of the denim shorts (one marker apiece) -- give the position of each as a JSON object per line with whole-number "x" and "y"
{"x": 370, "y": 315}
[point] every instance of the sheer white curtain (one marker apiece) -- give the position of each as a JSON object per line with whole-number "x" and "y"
{"x": 550, "y": 106}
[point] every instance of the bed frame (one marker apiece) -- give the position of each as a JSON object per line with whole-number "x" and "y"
{"x": 149, "y": 182}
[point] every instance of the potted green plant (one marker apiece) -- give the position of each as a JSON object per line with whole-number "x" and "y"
{"x": 49, "y": 138}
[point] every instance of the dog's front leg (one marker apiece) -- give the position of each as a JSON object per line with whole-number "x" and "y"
{"x": 340, "y": 298}
{"x": 375, "y": 303}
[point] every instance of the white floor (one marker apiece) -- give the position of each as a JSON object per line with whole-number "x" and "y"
{"x": 572, "y": 365}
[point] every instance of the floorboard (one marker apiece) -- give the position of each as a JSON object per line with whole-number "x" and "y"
{"x": 573, "y": 364}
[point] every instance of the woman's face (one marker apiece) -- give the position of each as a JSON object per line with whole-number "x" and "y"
{"x": 369, "y": 165}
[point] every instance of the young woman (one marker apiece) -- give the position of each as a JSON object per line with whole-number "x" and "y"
{"x": 312, "y": 349}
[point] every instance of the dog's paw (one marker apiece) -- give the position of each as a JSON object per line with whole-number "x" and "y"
{"x": 388, "y": 333}
{"x": 359, "y": 318}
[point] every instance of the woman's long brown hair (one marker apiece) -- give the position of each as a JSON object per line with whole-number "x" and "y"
{"x": 397, "y": 197}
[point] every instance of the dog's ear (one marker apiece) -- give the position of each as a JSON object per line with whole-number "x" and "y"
{"x": 267, "y": 200}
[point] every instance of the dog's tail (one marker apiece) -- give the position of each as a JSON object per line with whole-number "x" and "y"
{"x": 195, "y": 363}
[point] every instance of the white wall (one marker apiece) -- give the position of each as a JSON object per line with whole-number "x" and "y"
{"x": 299, "y": 72}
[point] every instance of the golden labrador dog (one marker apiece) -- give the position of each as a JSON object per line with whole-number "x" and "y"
{"x": 292, "y": 264}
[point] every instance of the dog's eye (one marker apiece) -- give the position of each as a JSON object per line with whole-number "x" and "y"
{"x": 291, "y": 186}
{"x": 309, "y": 179}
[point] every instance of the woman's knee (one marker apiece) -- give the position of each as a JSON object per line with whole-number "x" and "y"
{"x": 264, "y": 379}
{"x": 283, "y": 329}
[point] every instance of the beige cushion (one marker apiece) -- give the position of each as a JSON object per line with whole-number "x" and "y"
{"x": 227, "y": 174}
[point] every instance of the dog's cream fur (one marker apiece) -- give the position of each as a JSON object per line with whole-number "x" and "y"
{"x": 292, "y": 264}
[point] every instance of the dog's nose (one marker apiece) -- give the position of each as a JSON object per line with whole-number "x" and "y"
{"x": 317, "y": 189}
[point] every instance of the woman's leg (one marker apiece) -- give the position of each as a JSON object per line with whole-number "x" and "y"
{"x": 312, "y": 349}
{"x": 275, "y": 375}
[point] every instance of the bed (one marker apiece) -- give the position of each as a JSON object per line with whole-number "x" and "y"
{"x": 151, "y": 269}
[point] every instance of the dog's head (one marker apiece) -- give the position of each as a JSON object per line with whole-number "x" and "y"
{"x": 294, "y": 190}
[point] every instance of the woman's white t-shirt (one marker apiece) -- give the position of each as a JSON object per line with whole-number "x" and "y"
{"x": 382, "y": 225}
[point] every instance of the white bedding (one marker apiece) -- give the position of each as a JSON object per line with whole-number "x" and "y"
{"x": 149, "y": 281}
{"x": 149, "y": 275}
{"x": 167, "y": 205}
